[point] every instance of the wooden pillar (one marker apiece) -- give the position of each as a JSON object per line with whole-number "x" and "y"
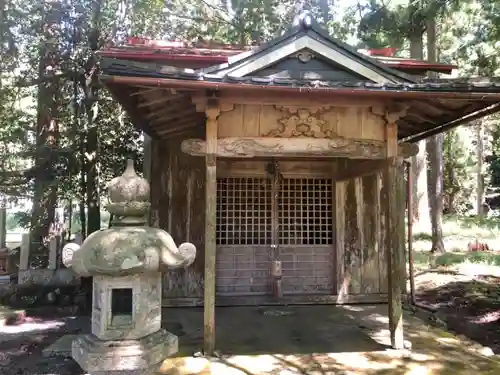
{"x": 212, "y": 113}
{"x": 393, "y": 243}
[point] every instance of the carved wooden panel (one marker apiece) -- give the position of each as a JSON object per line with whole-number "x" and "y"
{"x": 302, "y": 122}
{"x": 254, "y": 120}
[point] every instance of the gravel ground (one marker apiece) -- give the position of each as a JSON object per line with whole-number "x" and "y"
{"x": 21, "y": 346}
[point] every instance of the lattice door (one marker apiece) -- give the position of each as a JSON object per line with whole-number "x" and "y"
{"x": 254, "y": 214}
{"x": 244, "y": 221}
{"x": 305, "y": 232}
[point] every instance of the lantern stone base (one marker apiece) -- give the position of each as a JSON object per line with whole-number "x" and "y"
{"x": 123, "y": 356}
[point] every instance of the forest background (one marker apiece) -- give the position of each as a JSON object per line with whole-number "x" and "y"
{"x": 62, "y": 137}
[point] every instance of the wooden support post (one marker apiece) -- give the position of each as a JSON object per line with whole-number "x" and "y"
{"x": 393, "y": 243}
{"x": 212, "y": 113}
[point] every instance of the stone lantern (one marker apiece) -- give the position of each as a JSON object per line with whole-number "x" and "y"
{"x": 126, "y": 261}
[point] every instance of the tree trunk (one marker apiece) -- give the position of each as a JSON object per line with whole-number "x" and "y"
{"x": 3, "y": 202}
{"x": 47, "y": 137}
{"x": 324, "y": 8}
{"x": 421, "y": 220}
{"x": 92, "y": 104}
{"x": 480, "y": 176}
{"x": 435, "y": 161}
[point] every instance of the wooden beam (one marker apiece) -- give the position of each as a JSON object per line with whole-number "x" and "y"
{"x": 167, "y": 132}
{"x": 433, "y": 108}
{"x": 297, "y": 99}
{"x": 176, "y": 114}
{"x": 249, "y": 147}
{"x": 144, "y": 91}
{"x": 165, "y": 127}
{"x": 423, "y": 117}
{"x": 394, "y": 257}
{"x": 212, "y": 113}
{"x": 129, "y": 103}
{"x": 361, "y": 169}
{"x": 147, "y": 103}
{"x": 169, "y": 111}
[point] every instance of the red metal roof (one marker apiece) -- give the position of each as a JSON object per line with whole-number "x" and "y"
{"x": 209, "y": 53}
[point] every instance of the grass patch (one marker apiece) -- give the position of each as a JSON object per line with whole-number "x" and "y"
{"x": 454, "y": 259}
{"x": 471, "y": 226}
{"x": 458, "y": 232}
{"x": 422, "y": 237}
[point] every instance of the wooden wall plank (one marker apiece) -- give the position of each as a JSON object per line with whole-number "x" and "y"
{"x": 251, "y": 120}
{"x": 380, "y": 233}
{"x": 370, "y": 277}
{"x": 230, "y": 123}
{"x": 178, "y": 208}
{"x": 353, "y": 237}
{"x": 342, "y": 282}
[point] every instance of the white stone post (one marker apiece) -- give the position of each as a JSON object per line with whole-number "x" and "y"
{"x": 3, "y": 224}
{"x": 53, "y": 247}
{"x": 78, "y": 238}
{"x": 25, "y": 252}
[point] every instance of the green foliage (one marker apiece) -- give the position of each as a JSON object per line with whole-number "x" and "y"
{"x": 12, "y": 222}
{"x": 47, "y": 60}
{"x": 454, "y": 173}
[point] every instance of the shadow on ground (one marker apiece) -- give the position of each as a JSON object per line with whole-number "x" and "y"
{"x": 470, "y": 308}
{"x": 283, "y": 330}
{"x": 349, "y": 340}
{"x": 22, "y": 344}
{"x": 310, "y": 340}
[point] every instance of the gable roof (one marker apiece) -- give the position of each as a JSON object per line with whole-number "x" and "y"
{"x": 308, "y": 35}
{"x": 158, "y": 97}
{"x": 203, "y": 55}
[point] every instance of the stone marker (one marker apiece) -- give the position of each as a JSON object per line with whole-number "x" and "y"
{"x": 126, "y": 261}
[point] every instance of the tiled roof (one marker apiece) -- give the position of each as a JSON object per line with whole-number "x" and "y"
{"x": 129, "y": 68}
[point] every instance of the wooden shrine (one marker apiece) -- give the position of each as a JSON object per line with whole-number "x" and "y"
{"x": 284, "y": 165}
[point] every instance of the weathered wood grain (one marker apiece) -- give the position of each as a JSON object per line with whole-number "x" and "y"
{"x": 393, "y": 244}
{"x": 210, "y": 230}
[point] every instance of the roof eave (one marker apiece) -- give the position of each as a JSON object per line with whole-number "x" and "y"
{"x": 218, "y": 85}
{"x": 490, "y": 110}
